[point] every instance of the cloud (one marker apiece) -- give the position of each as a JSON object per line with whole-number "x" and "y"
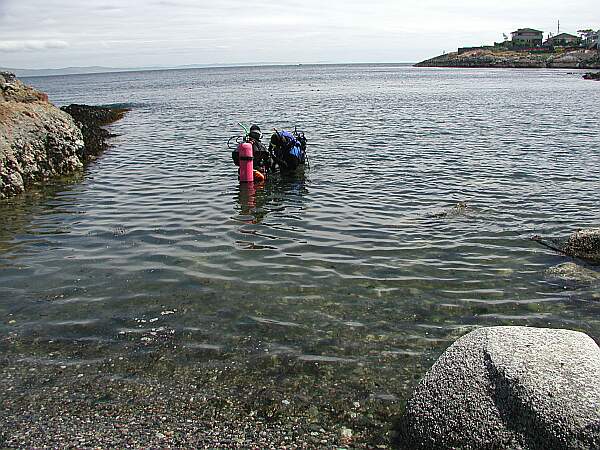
{"x": 108, "y": 9}
{"x": 177, "y": 32}
{"x": 31, "y": 45}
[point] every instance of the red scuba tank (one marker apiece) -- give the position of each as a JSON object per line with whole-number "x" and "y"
{"x": 246, "y": 162}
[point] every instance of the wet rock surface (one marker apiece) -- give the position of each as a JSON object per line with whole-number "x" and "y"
{"x": 583, "y": 244}
{"x": 90, "y": 120}
{"x": 508, "y": 387}
{"x": 459, "y": 209}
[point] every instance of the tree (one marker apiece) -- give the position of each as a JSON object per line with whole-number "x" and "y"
{"x": 584, "y": 34}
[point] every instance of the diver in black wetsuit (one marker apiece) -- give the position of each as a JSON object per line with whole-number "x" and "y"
{"x": 262, "y": 157}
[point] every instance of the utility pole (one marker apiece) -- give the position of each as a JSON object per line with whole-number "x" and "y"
{"x": 558, "y": 31}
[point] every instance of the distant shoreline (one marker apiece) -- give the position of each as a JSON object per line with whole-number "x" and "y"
{"x": 448, "y": 60}
{"x": 94, "y": 70}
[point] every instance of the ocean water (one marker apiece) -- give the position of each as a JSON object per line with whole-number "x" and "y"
{"x": 363, "y": 264}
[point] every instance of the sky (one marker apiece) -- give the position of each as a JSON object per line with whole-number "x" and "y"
{"x": 43, "y": 34}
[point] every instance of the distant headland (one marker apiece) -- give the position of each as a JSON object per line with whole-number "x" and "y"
{"x": 527, "y": 49}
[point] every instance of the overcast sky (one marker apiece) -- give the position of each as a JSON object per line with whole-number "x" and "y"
{"x": 38, "y": 34}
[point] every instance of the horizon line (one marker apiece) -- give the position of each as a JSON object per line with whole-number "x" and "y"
{"x": 75, "y": 70}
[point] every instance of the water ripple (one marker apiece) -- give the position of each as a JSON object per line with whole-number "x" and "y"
{"x": 366, "y": 258}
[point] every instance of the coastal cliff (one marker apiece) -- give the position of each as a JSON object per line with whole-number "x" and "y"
{"x": 578, "y": 59}
{"x": 39, "y": 141}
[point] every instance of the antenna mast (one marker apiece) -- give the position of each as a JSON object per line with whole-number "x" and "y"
{"x": 558, "y": 31}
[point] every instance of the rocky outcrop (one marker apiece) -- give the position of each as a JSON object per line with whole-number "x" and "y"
{"x": 37, "y": 140}
{"x": 592, "y": 76}
{"x": 508, "y": 387}
{"x": 583, "y": 244}
{"x": 91, "y": 119}
{"x": 578, "y": 59}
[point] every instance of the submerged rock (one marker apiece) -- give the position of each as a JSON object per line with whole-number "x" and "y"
{"x": 457, "y": 210}
{"x": 572, "y": 273}
{"x": 508, "y": 387}
{"x": 583, "y": 244}
{"x": 37, "y": 140}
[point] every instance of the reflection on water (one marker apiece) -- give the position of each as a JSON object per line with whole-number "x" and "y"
{"x": 366, "y": 269}
{"x": 256, "y": 200}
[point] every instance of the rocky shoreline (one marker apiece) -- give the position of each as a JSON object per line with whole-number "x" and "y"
{"x": 578, "y": 59}
{"x": 592, "y": 76}
{"x": 39, "y": 141}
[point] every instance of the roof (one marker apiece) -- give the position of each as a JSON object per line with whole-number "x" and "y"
{"x": 563, "y": 35}
{"x": 527, "y": 30}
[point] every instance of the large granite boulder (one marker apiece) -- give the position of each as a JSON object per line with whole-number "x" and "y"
{"x": 37, "y": 140}
{"x": 508, "y": 387}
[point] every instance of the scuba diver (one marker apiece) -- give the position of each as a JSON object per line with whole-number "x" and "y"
{"x": 261, "y": 155}
{"x": 288, "y": 149}
{"x": 286, "y": 152}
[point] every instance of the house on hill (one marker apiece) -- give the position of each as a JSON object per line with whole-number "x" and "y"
{"x": 563, "y": 39}
{"x": 591, "y": 39}
{"x": 527, "y": 37}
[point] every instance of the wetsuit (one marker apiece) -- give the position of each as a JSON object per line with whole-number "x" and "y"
{"x": 262, "y": 158}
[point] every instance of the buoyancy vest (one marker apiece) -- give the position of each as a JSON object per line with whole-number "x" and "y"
{"x": 291, "y": 149}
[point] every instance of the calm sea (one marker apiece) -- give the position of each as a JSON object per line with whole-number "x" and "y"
{"x": 363, "y": 264}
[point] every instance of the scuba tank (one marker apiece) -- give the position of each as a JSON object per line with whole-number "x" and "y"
{"x": 246, "y": 162}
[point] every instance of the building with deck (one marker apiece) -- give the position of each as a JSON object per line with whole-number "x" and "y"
{"x": 591, "y": 39}
{"x": 563, "y": 39}
{"x": 527, "y": 37}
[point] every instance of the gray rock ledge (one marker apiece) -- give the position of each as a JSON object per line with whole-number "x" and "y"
{"x": 583, "y": 244}
{"x": 508, "y": 387}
